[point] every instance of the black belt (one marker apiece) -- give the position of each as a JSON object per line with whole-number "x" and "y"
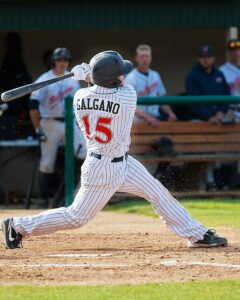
{"x": 61, "y": 119}
{"x": 116, "y": 159}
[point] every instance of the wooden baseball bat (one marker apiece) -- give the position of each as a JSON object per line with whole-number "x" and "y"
{"x": 29, "y": 88}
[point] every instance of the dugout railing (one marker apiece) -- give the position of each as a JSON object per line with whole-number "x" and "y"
{"x": 171, "y": 100}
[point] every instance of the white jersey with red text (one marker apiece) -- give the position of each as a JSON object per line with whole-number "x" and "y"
{"x": 105, "y": 117}
{"x": 149, "y": 84}
{"x": 232, "y": 75}
{"x": 52, "y": 105}
{"x": 51, "y": 97}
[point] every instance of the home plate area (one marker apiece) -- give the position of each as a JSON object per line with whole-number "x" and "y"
{"x": 116, "y": 248}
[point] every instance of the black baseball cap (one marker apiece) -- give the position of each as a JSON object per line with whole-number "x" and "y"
{"x": 233, "y": 44}
{"x": 205, "y": 50}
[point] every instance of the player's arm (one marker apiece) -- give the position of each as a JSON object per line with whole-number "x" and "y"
{"x": 35, "y": 118}
{"x": 148, "y": 118}
{"x": 34, "y": 113}
{"x": 168, "y": 111}
{"x": 165, "y": 108}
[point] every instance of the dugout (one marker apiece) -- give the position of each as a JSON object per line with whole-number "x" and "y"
{"x": 173, "y": 28}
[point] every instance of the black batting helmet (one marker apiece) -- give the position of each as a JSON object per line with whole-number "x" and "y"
{"x": 107, "y": 66}
{"x": 59, "y": 53}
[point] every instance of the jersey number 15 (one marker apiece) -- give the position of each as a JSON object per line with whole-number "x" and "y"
{"x": 100, "y": 127}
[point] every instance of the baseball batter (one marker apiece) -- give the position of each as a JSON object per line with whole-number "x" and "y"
{"x": 105, "y": 113}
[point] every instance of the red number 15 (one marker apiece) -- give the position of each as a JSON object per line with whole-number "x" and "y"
{"x": 100, "y": 127}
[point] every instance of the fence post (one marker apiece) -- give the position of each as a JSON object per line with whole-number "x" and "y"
{"x": 69, "y": 152}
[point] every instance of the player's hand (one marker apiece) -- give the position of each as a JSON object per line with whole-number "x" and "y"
{"x": 81, "y": 72}
{"x": 172, "y": 117}
{"x": 41, "y": 135}
{"x": 153, "y": 121}
{"x": 217, "y": 118}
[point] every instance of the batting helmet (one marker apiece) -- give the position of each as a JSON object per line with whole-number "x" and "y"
{"x": 107, "y": 66}
{"x": 59, "y": 53}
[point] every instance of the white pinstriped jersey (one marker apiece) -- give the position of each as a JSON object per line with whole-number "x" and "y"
{"x": 105, "y": 117}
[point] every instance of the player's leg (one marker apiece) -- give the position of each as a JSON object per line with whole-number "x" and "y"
{"x": 55, "y": 133}
{"x": 87, "y": 203}
{"x": 141, "y": 183}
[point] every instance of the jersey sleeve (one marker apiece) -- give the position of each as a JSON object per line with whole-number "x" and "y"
{"x": 38, "y": 94}
{"x": 161, "y": 90}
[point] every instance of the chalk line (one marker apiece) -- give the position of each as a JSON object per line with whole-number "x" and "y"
{"x": 169, "y": 263}
{"x": 79, "y": 255}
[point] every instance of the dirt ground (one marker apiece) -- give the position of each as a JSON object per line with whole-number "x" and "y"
{"x": 116, "y": 248}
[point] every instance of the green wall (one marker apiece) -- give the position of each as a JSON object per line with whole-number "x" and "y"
{"x": 23, "y": 14}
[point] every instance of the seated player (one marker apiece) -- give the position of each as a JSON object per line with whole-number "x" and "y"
{"x": 148, "y": 83}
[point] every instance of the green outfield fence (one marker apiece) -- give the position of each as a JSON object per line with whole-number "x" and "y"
{"x": 180, "y": 100}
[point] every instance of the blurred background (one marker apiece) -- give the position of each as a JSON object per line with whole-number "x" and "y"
{"x": 173, "y": 29}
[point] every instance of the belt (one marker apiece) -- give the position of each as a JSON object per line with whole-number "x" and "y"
{"x": 61, "y": 119}
{"x": 114, "y": 160}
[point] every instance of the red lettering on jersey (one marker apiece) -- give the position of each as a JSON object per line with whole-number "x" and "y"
{"x": 148, "y": 89}
{"x": 100, "y": 127}
{"x": 87, "y": 126}
{"x": 55, "y": 99}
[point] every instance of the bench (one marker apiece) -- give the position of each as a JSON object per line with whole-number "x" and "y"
{"x": 195, "y": 143}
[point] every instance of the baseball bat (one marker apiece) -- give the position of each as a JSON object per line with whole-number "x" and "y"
{"x": 29, "y": 88}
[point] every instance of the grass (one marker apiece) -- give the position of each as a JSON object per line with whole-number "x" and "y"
{"x": 213, "y": 290}
{"x": 210, "y": 212}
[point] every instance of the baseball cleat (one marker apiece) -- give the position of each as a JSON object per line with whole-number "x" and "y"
{"x": 210, "y": 239}
{"x": 12, "y": 238}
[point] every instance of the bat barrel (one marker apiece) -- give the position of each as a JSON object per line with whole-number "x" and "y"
{"x": 29, "y": 88}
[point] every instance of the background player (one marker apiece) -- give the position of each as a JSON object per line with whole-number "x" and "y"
{"x": 231, "y": 69}
{"x": 105, "y": 114}
{"x": 47, "y": 115}
{"x": 148, "y": 82}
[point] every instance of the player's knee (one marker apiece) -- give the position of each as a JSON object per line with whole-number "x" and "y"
{"x": 46, "y": 168}
{"x": 78, "y": 219}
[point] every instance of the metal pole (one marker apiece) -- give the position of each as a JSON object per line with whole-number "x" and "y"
{"x": 183, "y": 100}
{"x": 69, "y": 152}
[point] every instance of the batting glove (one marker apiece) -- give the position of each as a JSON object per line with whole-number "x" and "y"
{"x": 81, "y": 72}
{"x": 41, "y": 135}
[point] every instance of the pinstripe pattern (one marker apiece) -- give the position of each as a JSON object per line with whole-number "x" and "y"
{"x": 102, "y": 178}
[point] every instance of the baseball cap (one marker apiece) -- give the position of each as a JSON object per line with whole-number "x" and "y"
{"x": 233, "y": 44}
{"x": 205, "y": 50}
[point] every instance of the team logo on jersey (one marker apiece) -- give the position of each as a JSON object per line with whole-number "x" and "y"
{"x": 53, "y": 101}
{"x": 97, "y": 104}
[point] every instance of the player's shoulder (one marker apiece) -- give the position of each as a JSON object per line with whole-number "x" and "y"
{"x": 127, "y": 89}
{"x": 45, "y": 76}
{"x": 153, "y": 72}
{"x": 224, "y": 67}
{"x": 81, "y": 93}
{"x": 155, "y": 75}
{"x": 127, "y": 94}
{"x": 132, "y": 74}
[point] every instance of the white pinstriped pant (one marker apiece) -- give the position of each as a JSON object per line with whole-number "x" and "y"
{"x": 100, "y": 180}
